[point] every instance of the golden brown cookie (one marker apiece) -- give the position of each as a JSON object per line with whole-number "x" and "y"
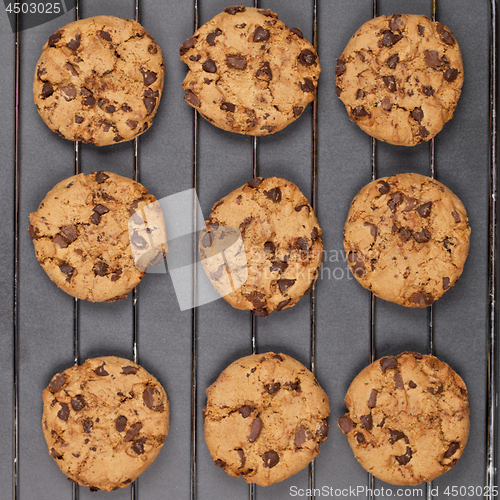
{"x": 407, "y": 238}
{"x": 248, "y": 72}
{"x": 407, "y": 419}
{"x": 282, "y": 243}
{"x": 105, "y": 421}
{"x": 99, "y": 80}
{"x": 81, "y": 233}
{"x": 400, "y": 78}
{"x": 265, "y": 418}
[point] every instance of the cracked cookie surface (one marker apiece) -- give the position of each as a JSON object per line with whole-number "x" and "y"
{"x": 407, "y": 238}
{"x": 265, "y": 418}
{"x": 104, "y": 421}
{"x": 81, "y": 233}
{"x": 99, "y": 80}
{"x": 282, "y": 243}
{"x": 400, "y": 78}
{"x": 248, "y": 72}
{"x": 407, "y": 419}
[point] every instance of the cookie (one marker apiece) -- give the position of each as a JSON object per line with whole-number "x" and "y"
{"x": 248, "y": 72}
{"x": 81, "y": 233}
{"x": 406, "y": 239}
{"x": 265, "y": 418}
{"x": 282, "y": 243}
{"x": 104, "y": 421}
{"x": 99, "y": 80}
{"x": 407, "y": 419}
{"x": 400, "y": 78}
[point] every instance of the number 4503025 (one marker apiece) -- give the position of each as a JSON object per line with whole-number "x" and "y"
{"x": 34, "y": 8}
{"x": 470, "y": 491}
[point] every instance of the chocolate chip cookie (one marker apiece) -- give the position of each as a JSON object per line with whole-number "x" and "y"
{"x": 282, "y": 243}
{"x": 105, "y": 421}
{"x": 96, "y": 234}
{"x": 407, "y": 238}
{"x": 407, "y": 419}
{"x": 99, "y": 80}
{"x": 248, "y": 72}
{"x": 265, "y": 418}
{"x": 400, "y": 78}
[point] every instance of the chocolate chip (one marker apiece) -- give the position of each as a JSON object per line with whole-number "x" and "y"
{"x": 245, "y": 411}
{"x": 129, "y": 370}
{"x": 283, "y": 304}
{"x": 421, "y": 299}
{"x": 53, "y": 39}
{"x": 67, "y": 270}
{"x": 149, "y": 104}
{"x": 396, "y": 199}
{"x": 255, "y": 430}
{"x": 307, "y": 57}
{"x": 279, "y": 266}
{"x": 359, "y": 112}
{"x": 59, "y": 240}
{"x": 367, "y": 421}
{"x": 301, "y": 436}
{"x": 78, "y": 403}
{"x": 424, "y": 210}
{"x": 245, "y": 224}
{"x": 389, "y": 38}
{"x": 404, "y": 459}
{"x": 421, "y": 30}
{"x": 188, "y": 44}
{"x": 455, "y": 216}
{"x": 393, "y": 61}
{"x": 360, "y": 94}
{"x": 396, "y": 22}
{"x": 314, "y": 234}
{"x": 340, "y": 67}
{"x": 63, "y": 413}
{"x": 398, "y": 381}
{"x": 405, "y": 233}
{"x": 74, "y": 43}
{"x": 322, "y": 431}
{"x": 273, "y": 388}
{"x": 233, "y": 61}
{"x": 424, "y": 132}
{"x": 423, "y": 236}
{"x": 284, "y": 284}
{"x": 360, "y": 438}
{"x": 101, "y": 209}
{"x": 386, "y": 104}
{"x": 396, "y": 436}
{"x": 307, "y": 85}
{"x": 100, "y": 177}
{"x": 264, "y": 72}
{"x": 269, "y": 247}
{"x": 390, "y": 83}
{"x": 454, "y": 446}
{"x": 445, "y": 34}
{"x": 297, "y": 31}
{"x": 260, "y": 34}
{"x": 148, "y": 396}
{"x": 450, "y": 75}
{"x": 388, "y": 363}
{"x": 432, "y": 58}
{"x": 55, "y": 453}
{"x": 57, "y": 383}
{"x": 100, "y": 370}
{"x": 428, "y": 91}
{"x": 255, "y": 183}
{"x": 383, "y": 187}
{"x": 149, "y": 77}
{"x": 437, "y": 389}
{"x": 79, "y": 119}
{"x": 256, "y": 299}
{"x": 120, "y": 423}
{"x": 227, "y": 106}
{"x": 192, "y": 99}
{"x": 209, "y": 66}
{"x": 132, "y": 124}
{"x": 132, "y": 432}
{"x": 417, "y": 114}
{"x": 274, "y": 194}
{"x": 212, "y": 36}
{"x": 105, "y": 35}
{"x": 220, "y": 463}
{"x": 138, "y": 446}
{"x": 446, "y": 283}
{"x": 297, "y": 111}
{"x": 346, "y": 424}
{"x": 47, "y": 90}
{"x": 235, "y": 9}
{"x": 357, "y": 264}
{"x": 87, "y": 426}
{"x": 412, "y": 384}
{"x": 241, "y": 455}
{"x": 271, "y": 458}
{"x": 302, "y": 244}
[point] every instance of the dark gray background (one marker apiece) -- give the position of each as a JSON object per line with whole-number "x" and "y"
{"x": 165, "y": 165}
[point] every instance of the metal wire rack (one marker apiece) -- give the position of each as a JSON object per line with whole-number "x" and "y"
{"x": 491, "y": 409}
